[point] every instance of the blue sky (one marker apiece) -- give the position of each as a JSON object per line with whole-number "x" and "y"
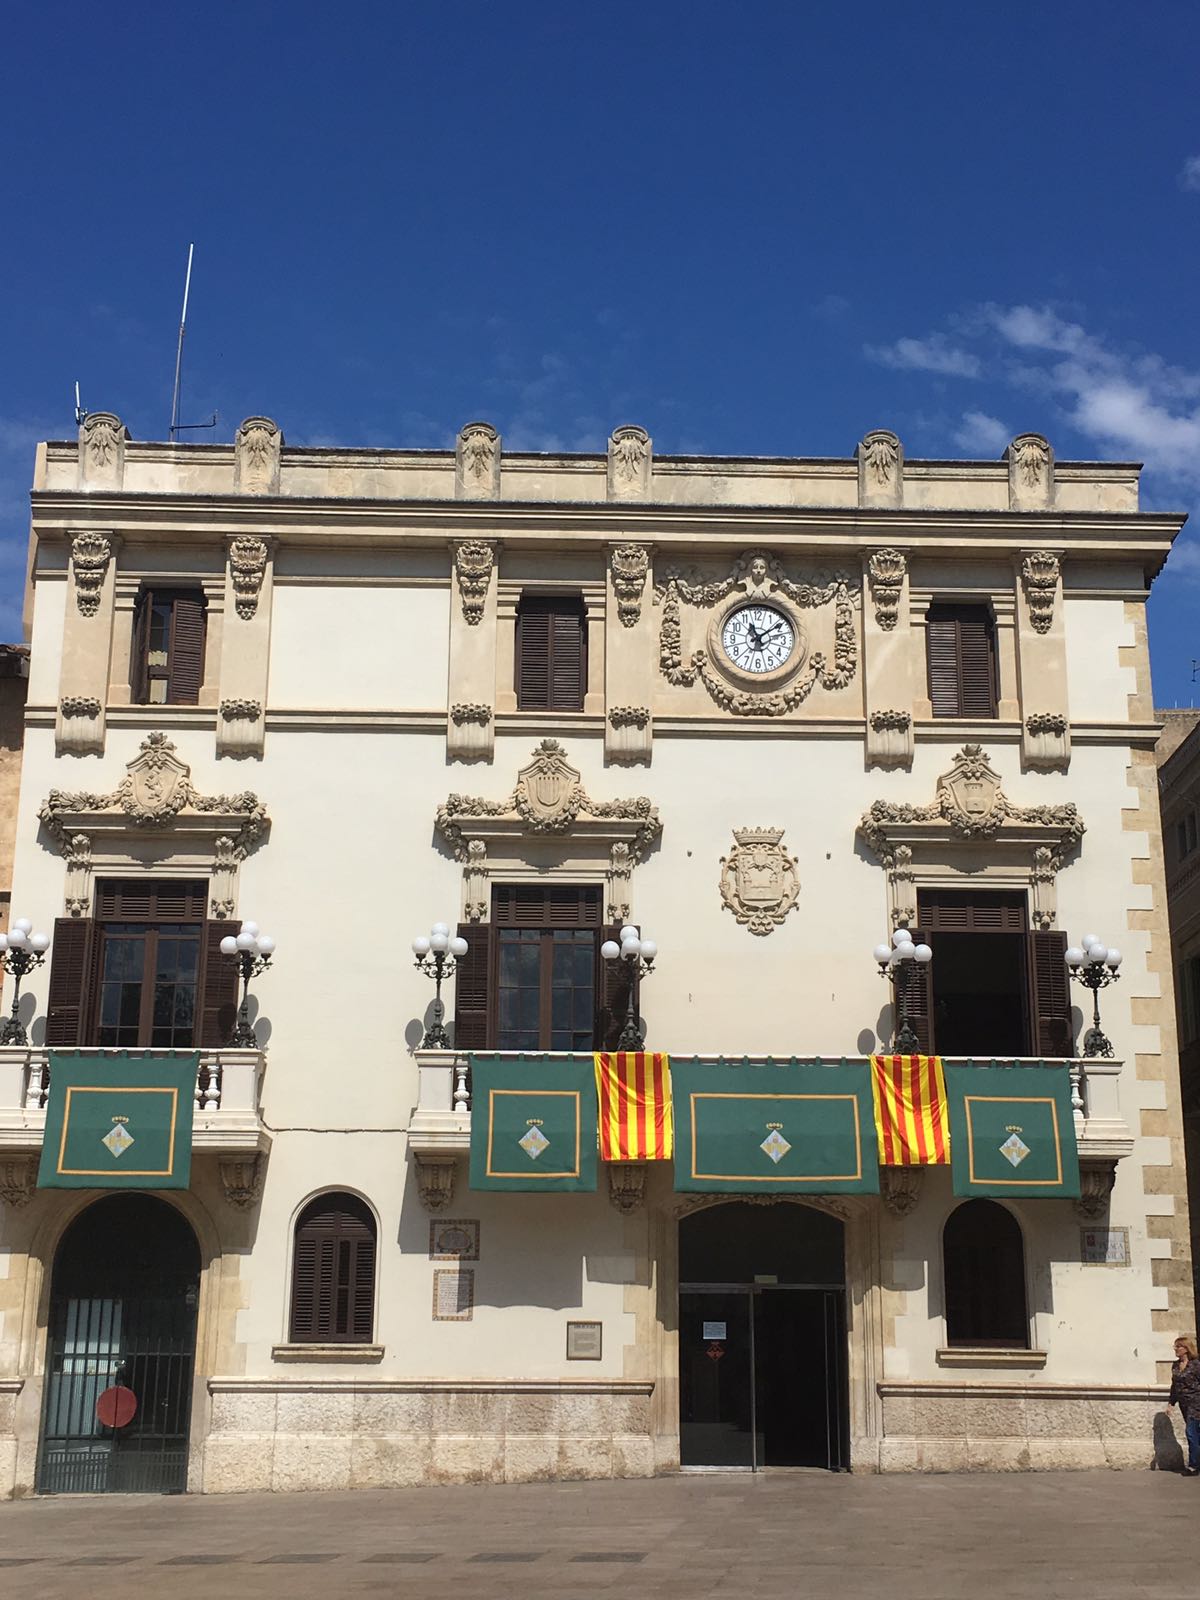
{"x": 761, "y": 228}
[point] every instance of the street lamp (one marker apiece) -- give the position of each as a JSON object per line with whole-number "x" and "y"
{"x": 1095, "y": 967}
{"x": 253, "y": 951}
{"x": 21, "y": 950}
{"x": 640, "y": 954}
{"x": 893, "y": 962}
{"x": 437, "y": 954}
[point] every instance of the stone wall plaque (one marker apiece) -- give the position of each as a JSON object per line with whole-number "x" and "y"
{"x": 1104, "y": 1247}
{"x": 585, "y": 1341}
{"x": 453, "y": 1239}
{"x": 453, "y": 1295}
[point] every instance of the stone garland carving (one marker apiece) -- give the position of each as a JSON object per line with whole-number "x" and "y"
{"x": 881, "y": 455}
{"x": 90, "y": 555}
{"x": 1039, "y": 574}
{"x": 886, "y": 569}
{"x": 629, "y": 716}
{"x": 80, "y": 705}
{"x": 247, "y": 565}
{"x": 548, "y": 799}
{"x": 470, "y": 713}
{"x": 897, "y": 721}
{"x": 630, "y": 564}
{"x": 241, "y": 710}
{"x": 759, "y": 881}
{"x": 751, "y": 572}
{"x": 1031, "y": 456}
{"x": 1046, "y": 722}
{"x": 473, "y": 562}
{"x": 156, "y": 789}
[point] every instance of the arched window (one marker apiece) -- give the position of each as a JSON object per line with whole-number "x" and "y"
{"x": 984, "y": 1260}
{"x": 333, "y": 1272}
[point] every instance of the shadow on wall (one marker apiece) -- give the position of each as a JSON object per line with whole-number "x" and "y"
{"x": 1168, "y": 1452}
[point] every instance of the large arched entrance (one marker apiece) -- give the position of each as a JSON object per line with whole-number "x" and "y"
{"x": 121, "y": 1350}
{"x": 762, "y": 1338}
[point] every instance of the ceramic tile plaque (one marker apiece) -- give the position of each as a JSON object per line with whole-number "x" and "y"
{"x": 585, "y": 1341}
{"x": 1104, "y": 1247}
{"x": 453, "y": 1239}
{"x": 453, "y": 1295}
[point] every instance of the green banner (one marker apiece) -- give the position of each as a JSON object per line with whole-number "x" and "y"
{"x": 1012, "y": 1131}
{"x": 119, "y": 1121}
{"x": 797, "y": 1128}
{"x": 533, "y": 1123}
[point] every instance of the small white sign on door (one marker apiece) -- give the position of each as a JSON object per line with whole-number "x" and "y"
{"x": 714, "y": 1330}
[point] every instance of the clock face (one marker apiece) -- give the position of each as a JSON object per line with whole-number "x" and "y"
{"x": 758, "y": 638}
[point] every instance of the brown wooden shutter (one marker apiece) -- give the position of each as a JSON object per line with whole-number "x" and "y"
{"x": 72, "y": 981}
{"x": 186, "y": 659}
{"x": 612, "y": 993}
{"x": 333, "y": 1272}
{"x": 219, "y": 989}
{"x": 533, "y": 656}
{"x": 139, "y": 687}
{"x": 941, "y": 650}
{"x": 473, "y": 987}
{"x": 568, "y": 656}
{"x": 972, "y": 911}
{"x": 1049, "y": 993}
{"x": 977, "y": 658}
{"x": 914, "y": 987}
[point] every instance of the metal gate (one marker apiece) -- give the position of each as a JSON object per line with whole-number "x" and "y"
{"x": 121, "y": 1352}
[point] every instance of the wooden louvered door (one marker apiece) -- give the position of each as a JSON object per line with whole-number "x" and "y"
{"x": 960, "y": 646}
{"x": 333, "y": 1272}
{"x": 1049, "y": 993}
{"x": 473, "y": 980}
{"x": 551, "y": 653}
{"x": 546, "y": 971}
{"x": 149, "y": 944}
{"x": 979, "y": 976}
{"x": 72, "y": 982}
{"x": 914, "y": 998}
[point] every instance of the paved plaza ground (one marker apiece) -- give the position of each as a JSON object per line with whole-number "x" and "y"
{"x": 1096, "y": 1535}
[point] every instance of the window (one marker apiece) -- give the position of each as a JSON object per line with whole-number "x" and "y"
{"x": 333, "y": 1272}
{"x": 145, "y": 973}
{"x": 551, "y": 653}
{"x": 995, "y": 987}
{"x": 167, "y": 660}
{"x": 984, "y": 1265}
{"x": 960, "y": 647}
{"x": 1185, "y": 835}
{"x": 533, "y": 979}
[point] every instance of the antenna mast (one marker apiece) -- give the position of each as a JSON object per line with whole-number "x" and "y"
{"x": 187, "y": 284}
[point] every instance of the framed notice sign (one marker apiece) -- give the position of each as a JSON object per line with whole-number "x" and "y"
{"x": 1104, "y": 1247}
{"x": 453, "y": 1295}
{"x": 585, "y": 1341}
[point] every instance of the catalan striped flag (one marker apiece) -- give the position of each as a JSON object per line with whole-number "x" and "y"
{"x": 911, "y": 1117}
{"x": 636, "y": 1120}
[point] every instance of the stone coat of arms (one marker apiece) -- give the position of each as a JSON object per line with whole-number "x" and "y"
{"x": 759, "y": 881}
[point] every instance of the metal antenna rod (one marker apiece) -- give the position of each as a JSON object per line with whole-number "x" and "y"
{"x": 187, "y": 284}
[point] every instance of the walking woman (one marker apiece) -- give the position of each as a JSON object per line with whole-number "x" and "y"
{"x": 1185, "y": 1393}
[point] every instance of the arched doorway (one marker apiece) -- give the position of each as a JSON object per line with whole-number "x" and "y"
{"x": 121, "y": 1350}
{"x": 762, "y": 1338}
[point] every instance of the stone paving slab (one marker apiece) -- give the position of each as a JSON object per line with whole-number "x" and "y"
{"x": 1103, "y": 1535}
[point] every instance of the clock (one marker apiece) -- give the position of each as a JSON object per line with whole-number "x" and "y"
{"x": 758, "y": 639}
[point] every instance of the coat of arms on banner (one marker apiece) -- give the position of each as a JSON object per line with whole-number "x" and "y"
{"x": 759, "y": 881}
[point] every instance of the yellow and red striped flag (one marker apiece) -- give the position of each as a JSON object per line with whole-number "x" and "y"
{"x": 911, "y": 1117}
{"x": 636, "y": 1120}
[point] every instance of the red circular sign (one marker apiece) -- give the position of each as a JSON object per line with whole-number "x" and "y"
{"x": 116, "y": 1408}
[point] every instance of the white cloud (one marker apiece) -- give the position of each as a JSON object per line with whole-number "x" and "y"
{"x": 979, "y": 432}
{"x": 1184, "y": 561}
{"x": 933, "y": 354}
{"x": 1189, "y": 177}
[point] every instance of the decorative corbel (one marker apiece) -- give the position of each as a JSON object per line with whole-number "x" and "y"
{"x": 470, "y": 732}
{"x": 242, "y": 1180}
{"x": 1030, "y": 473}
{"x": 900, "y": 1188}
{"x": 102, "y": 437}
{"x": 880, "y": 469}
{"x": 629, "y": 461}
{"x": 435, "y": 1178}
{"x": 627, "y": 1185}
{"x": 18, "y": 1180}
{"x": 257, "y": 448}
{"x": 1096, "y": 1179}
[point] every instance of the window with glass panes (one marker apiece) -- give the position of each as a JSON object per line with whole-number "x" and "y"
{"x": 547, "y": 955}
{"x": 148, "y": 962}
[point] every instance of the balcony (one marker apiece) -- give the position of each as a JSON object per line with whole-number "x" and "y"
{"x": 440, "y": 1129}
{"x": 227, "y": 1121}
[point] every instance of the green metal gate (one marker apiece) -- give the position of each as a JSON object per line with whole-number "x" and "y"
{"x": 122, "y": 1340}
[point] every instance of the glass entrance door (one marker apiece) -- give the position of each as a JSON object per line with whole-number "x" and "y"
{"x": 716, "y": 1370}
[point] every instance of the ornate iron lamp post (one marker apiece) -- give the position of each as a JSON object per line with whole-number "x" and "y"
{"x": 22, "y": 950}
{"x": 253, "y": 951}
{"x": 437, "y": 955}
{"x": 893, "y": 959}
{"x": 1095, "y": 967}
{"x": 640, "y": 954}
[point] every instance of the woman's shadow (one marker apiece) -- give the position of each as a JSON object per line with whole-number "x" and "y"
{"x": 1168, "y": 1453}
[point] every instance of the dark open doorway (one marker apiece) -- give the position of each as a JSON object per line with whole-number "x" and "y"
{"x": 121, "y": 1350}
{"x": 762, "y": 1338}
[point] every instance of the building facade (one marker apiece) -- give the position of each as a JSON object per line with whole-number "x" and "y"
{"x": 766, "y": 711}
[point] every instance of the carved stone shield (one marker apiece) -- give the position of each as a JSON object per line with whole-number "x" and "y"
{"x": 548, "y": 785}
{"x": 759, "y": 881}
